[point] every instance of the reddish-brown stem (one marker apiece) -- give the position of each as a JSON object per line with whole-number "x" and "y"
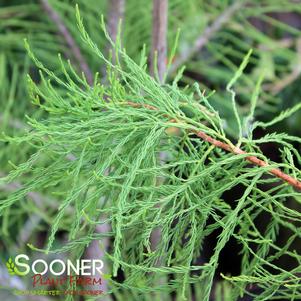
{"x": 256, "y": 161}
{"x": 233, "y": 149}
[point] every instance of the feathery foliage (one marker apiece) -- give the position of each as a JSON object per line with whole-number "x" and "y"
{"x": 94, "y": 152}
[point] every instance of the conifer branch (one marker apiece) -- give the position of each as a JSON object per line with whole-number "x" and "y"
{"x": 134, "y": 197}
{"x": 39, "y": 201}
{"x": 115, "y": 16}
{"x": 37, "y": 198}
{"x": 253, "y": 159}
{"x": 208, "y": 33}
{"x": 159, "y": 38}
{"x": 63, "y": 30}
{"x": 233, "y": 149}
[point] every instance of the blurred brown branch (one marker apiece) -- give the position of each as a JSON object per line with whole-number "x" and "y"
{"x": 277, "y": 86}
{"x": 158, "y": 61}
{"x": 63, "y": 30}
{"x": 208, "y": 33}
{"x": 115, "y": 14}
{"x": 158, "y": 58}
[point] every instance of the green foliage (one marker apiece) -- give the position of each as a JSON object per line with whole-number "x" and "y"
{"x": 95, "y": 159}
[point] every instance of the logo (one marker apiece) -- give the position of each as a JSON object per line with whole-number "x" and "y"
{"x": 59, "y": 273}
{"x": 85, "y": 267}
{"x": 12, "y": 269}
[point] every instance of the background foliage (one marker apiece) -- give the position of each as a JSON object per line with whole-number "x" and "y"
{"x": 79, "y": 158}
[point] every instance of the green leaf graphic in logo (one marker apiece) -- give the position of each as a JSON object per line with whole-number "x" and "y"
{"x": 12, "y": 269}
